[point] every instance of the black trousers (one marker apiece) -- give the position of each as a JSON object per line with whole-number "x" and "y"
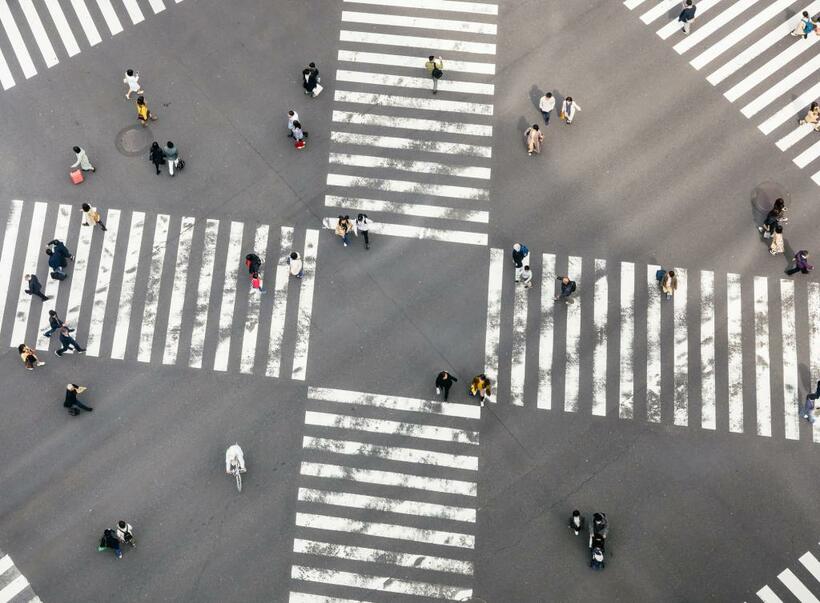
{"x": 38, "y": 293}
{"x": 366, "y": 238}
{"x": 796, "y": 269}
{"x": 446, "y": 387}
{"x": 79, "y": 405}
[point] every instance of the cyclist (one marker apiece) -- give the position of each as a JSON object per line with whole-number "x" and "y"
{"x": 125, "y": 533}
{"x": 234, "y": 457}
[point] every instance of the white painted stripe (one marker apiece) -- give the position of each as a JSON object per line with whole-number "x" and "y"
{"x": 50, "y": 286}
{"x": 434, "y": 44}
{"x": 412, "y": 123}
{"x": 814, "y": 341}
{"x": 79, "y": 268}
{"x": 518, "y": 354}
{"x": 86, "y": 22}
{"x": 767, "y": 595}
{"x": 110, "y": 16}
{"x": 305, "y": 310}
{"x": 810, "y": 562}
{"x": 134, "y": 12}
{"x": 412, "y": 144}
{"x": 599, "y": 324}
{"x": 477, "y": 8}
{"x": 791, "y": 109}
{"x": 681, "y": 380}
{"x": 781, "y": 87}
{"x": 448, "y": 409}
{"x": 6, "y": 79}
{"x": 307, "y": 598}
{"x": 418, "y": 232}
{"x": 5, "y": 564}
{"x": 408, "y": 209}
{"x": 701, "y": 33}
{"x": 739, "y": 33}
{"x": 63, "y": 29}
{"x": 797, "y": 588}
{"x": 379, "y": 583}
{"x": 417, "y": 167}
{"x": 152, "y": 289}
{"x": 13, "y": 588}
{"x": 39, "y": 32}
{"x": 7, "y": 254}
{"x": 100, "y": 303}
{"x": 203, "y": 295}
{"x": 16, "y": 40}
{"x": 795, "y": 136}
{"x": 807, "y": 156}
{"x": 653, "y": 345}
{"x": 280, "y": 303}
{"x": 172, "y": 334}
{"x": 33, "y": 251}
{"x": 129, "y": 281}
{"x": 384, "y": 530}
{"x": 403, "y": 428}
{"x": 708, "y": 417}
{"x": 658, "y": 10}
{"x": 766, "y": 70}
{"x": 250, "y": 335}
{"x": 357, "y": 553}
{"x": 226, "y": 309}
{"x": 413, "y": 62}
{"x": 545, "y": 336}
{"x": 674, "y": 26}
{"x": 406, "y": 81}
{"x": 790, "y": 400}
{"x": 734, "y": 324}
{"x": 392, "y": 453}
{"x": 382, "y": 19}
{"x": 157, "y": 6}
{"x": 631, "y": 4}
{"x": 408, "y": 186}
{"x": 492, "y": 337}
{"x": 412, "y": 102}
{"x": 762, "y": 382}
{"x": 387, "y": 505}
{"x": 572, "y": 378}
{"x": 816, "y": 178}
{"x": 626, "y": 397}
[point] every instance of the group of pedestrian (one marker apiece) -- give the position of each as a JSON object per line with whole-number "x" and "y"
{"x": 254, "y": 264}
{"x": 772, "y": 229}
{"x": 167, "y": 155}
{"x": 344, "y": 226}
{"x": 114, "y": 538}
{"x": 598, "y": 531}
{"x": 480, "y": 387}
{"x": 312, "y": 87}
{"x": 533, "y": 136}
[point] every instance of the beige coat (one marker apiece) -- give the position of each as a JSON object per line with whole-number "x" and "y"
{"x": 777, "y": 243}
{"x": 340, "y": 230}
{"x": 534, "y": 139}
{"x": 669, "y": 284}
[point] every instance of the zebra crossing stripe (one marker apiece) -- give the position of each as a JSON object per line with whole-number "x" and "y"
{"x": 392, "y": 453}
{"x": 157, "y": 6}
{"x": 110, "y": 16}
{"x": 658, "y": 11}
{"x": 447, "y": 409}
{"x": 39, "y": 32}
{"x": 186, "y": 235}
{"x": 226, "y": 309}
{"x": 674, "y": 25}
{"x": 409, "y": 186}
{"x": 681, "y": 348}
{"x": 415, "y": 42}
{"x": 387, "y": 505}
{"x": 13, "y": 588}
{"x": 403, "y": 81}
{"x": 134, "y": 11}
{"x": 572, "y": 377}
{"x": 814, "y": 341}
{"x": 632, "y": 4}
{"x": 16, "y": 40}
{"x": 702, "y": 32}
{"x": 280, "y": 303}
{"x": 767, "y": 595}
{"x": 408, "y": 209}
{"x": 599, "y": 326}
{"x": 86, "y": 22}
{"x": 626, "y": 397}
{"x": 203, "y": 294}
{"x": 417, "y": 167}
{"x": 98, "y": 306}
{"x": 250, "y": 334}
{"x": 795, "y": 136}
{"x": 653, "y": 345}
{"x": 545, "y": 336}
{"x": 790, "y": 109}
{"x": 379, "y": 583}
{"x": 811, "y": 563}
{"x": 308, "y": 598}
{"x": 411, "y": 430}
{"x": 476, "y": 8}
{"x": 52, "y": 287}
{"x": 518, "y": 355}
{"x": 412, "y": 102}
{"x": 412, "y": 123}
{"x": 475, "y": 27}
{"x": 790, "y": 399}
{"x": 414, "y": 62}
{"x": 708, "y": 418}
{"x": 493, "y": 332}
{"x": 152, "y": 288}
{"x": 78, "y": 276}
{"x": 305, "y": 310}
{"x": 35, "y": 236}
{"x": 412, "y": 144}
{"x": 781, "y": 87}
{"x": 60, "y": 22}
{"x": 807, "y": 156}
{"x": 797, "y": 588}
{"x": 734, "y": 323}
{"x": 129, "y": 281}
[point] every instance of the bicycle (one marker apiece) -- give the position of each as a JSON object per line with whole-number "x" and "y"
{"x": 237, "y": 473}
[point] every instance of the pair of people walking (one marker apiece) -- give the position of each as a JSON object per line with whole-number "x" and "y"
{"x": 169, "y": 154}
{"x": 296, "y": 131}
{"x": 113, "y": 539}
{"x": 772, "y": 227}
{"x": 310, "y": 80}
{"x": 344, "y": 226}
{"x": 58, "y": 258}
{"x": 521, "y": 261}
{"x": 254, "y": 263}
{"x": 480, "y": 386}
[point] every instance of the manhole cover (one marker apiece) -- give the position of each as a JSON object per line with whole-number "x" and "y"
{"x": 133, "y": 140}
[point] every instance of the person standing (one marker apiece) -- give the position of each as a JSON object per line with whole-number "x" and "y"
{"x": 132, "y": 80}
{"x": 299, "y": 135}
{"x": 55, "y": 323}
{"x": 363, "y": 224}
{"x": 546, "y": 105}
{"x": 778, "y": 246}
{"x": 568, "y": 287}
{"x": 295, "y": 265}
{"x": 687, "y": 15}
{"x": 143, "y": 113}
{"x": 526, "y": 277}
{"x": 68, "y": 342}
{"x": 801, "y": 263}
{"x": 444, "y": 381}
{"x": 28, "y": 357}
{"x": 109, "y": 540}
{"x": 534, "y": 138}
{"x": 293, "y": 116}
{"x": 171, "y": 155}
{"x": 568, "y": 109}
{"x": 435, "y": 67}
{"x": 343, "y": 228}
{"x": 92, "y": 217}
{"x": 35, "y": 288}
{"x": 480, "y": 386}
{"x": 577, "y": 522}
{"x": 82, "y": 160}
{"x": 810, "y": 405}
{"x": 156, "y": 155}
{"x": 520, "y": 257}
{"x": 669, "y": 284}
{"x": 71, "y": 403}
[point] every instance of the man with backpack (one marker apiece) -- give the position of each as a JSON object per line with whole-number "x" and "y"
{"x": 435, "y": 67}
{"x": 521, "y": 258}
{"x": 567, "y": 288}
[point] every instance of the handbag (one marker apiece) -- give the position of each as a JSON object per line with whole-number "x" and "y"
{"x": 317, "y": 90}
{"x": 180, "y": 165}
{"x": 299, "y": 144}
{"x": 562, "y": 115}
{"x": 437, "y": 73}
{"x": 76, "y": 176}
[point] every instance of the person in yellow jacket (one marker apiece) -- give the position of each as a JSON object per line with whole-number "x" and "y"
{"x": 435, "y": 67}
{"x": 480, "y": 386}
{"x": 143, "y": 113}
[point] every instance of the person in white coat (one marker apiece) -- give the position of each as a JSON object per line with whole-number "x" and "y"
{"x": 363, "y": 224}
{"x": 293, "y": 116}
{"x": 546, "y": 105}
{"x": 295, "y": 264}
{"x": 132, "y": 80}
{"x": 83, "y": 161}
{"x": 568, "y": 109}
{"x": 234, "y": 456}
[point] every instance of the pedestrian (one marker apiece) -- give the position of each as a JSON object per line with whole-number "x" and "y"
{"x": 363, "y": 225}
{"x": 132, "y": 80}
{"x": 71, "y": 403}
{"x": 343, "y": 228}
{"x": 28, "y": 357}
{"x": 299, "y": 135}
{"x": 125, "y": 533}
{"x": 812, "y": 116}
{"x": 68, "y": 342}
{"x": 82, "y": 161}
{"x": 295, "y": 265}
{"x": 577, "y": 522}
{"x": 568, "y": 110}
{"x": 480, "y": 386}
{"x": 805, "y": 27}
{"x": 776, "y": 216}
{"x": 520, "y": 258}
{"x": 156, "y": 155}
{"x": 600, "y": 525}
{"x": 526, "y": 277}
{"x": 546, "y": 105}
{"x": 57, "y": 263}
{"x": 253, "y": 262}
{"x": 534, "y": 137}
{"x": 61, "y": 249}
{"x": 435, "y": 67}
{"x": 143, "y": 113}
{"x": 171, "y": 155}
{"x": 310, "y": 77}
{"x": 92, "y": 217}
{"x": 669, "y": 283}
{"x": 256, "y": 283}
{"x": 777, "y": 246}
{"x": 293, "y": 116}
{"x": 109, "y": 540}
{"x": 55, "y": 323}
{"x": 35, "y": 288}
{"x": 568, "y": 287}
{"x": 444, "y": 381}
{"x": 687, "y": 15}
{"x": 801, "y": 263}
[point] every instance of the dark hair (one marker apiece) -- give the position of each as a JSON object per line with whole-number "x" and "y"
{"x": 86, "y": 207}
{"x": 297, "y": 124}
{"x": 290, "y": 112}
{"x": 77, "y": 149}
{"x": 569, "y": 99}
{"x": 122, "y": 524}
{"x": 21, "y": 347}
{"x": 779, "y": 203}
{"x": 293, "y": 255}
{"x": 170, "y": 145}
{"x": 671, "y": 273}
{"x": 129, "y": 72}
{"x": 347, "y": 217}
{"x": 806, "y": 13}
{"x": 361, "y": 217}
{"x": 154, "y": 145}
{"x": 49, "y": 251}
{"x": 312, "y": 65}
{"x": 52, "y": 312}
{"x": 778, "y": 228}
{"x": 549, "y": 95}
{"x": 535, "y": 127}
{"x": 432, "y": 57}
{"x": 576, "y": 513}
{"x": 140, "y": 100}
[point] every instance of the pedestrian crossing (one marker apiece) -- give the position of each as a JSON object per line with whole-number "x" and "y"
{"x": 387, "y": 499}
{"x": 14, "y": 588}
{"x": 729, "y": 352}
{"x": 28, "y": 24}
{"x": 746, "y": 48}
{"x": 791, "y": 586}
{"x": 396, "y": 149}
{"x": 159, "y": 289}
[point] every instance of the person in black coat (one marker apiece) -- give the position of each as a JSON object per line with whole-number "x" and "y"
{"x": 444, "y": 381}
{"x": 156, "y": 155}
{"x": 35, "y": 288}
{"x": 55, "y": 322}
{"x": 71, "y": 402}
{"x": 67, "y": 342}
{"x": 56, "y": 261}
{"x": 310, "y": 78}
{"x": 253, "y": 262}
{"x": 60, "y": 249}
{"x": 109, "y": 540}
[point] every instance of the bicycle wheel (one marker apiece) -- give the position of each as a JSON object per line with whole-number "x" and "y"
{"x": 238, "y": 481}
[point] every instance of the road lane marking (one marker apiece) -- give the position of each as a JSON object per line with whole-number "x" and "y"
{"x": 387, "y": 505}
{"x": 600, "y": 310}
{"x": 228, "y": 305}
{"x": 413, "y": 62}
{"x": 434, "y": 44}
{"x": 203, "y": 294}
{"x": 475, "y": 27}
{"x": 33, "y": 251}
{"x": 186, "y": 233}
{"x": 280, "y": 303}
{"x": 250, "y": 334}
{"x": 791, "y": 417}
{"x": 388, "y": 584}
{"x": 392, "y": 453}
{"x": 408, "y": 209}
{"x": 402, "y": 428}
{"x": 129, "y": 281}
{"x": 626, "y": 396}
{"x": 734, "y": 324}
{"x": 412, "y": 123}
{"x": 384, "y": 530}
{"x": 653, "y": 345}
{"x": 448, "y": 409}
{"x": 101, "y": 290}
{"x": 305, "y": 309}
{"x": 572, "y": 378}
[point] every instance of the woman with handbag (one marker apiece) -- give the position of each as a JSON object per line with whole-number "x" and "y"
{"x": 534, "y": 138}
{"x": 568, "y": 109}
{"x": 28, "y": 357}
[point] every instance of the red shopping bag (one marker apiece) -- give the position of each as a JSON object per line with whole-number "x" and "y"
{"x": 76, "y": 176}
{"x": 299, "y": 144}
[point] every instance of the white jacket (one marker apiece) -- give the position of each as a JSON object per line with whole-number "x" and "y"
{"x": 546, "y": 104}
{"x": 233, "y": 455}
{"x": 569, "y": 109}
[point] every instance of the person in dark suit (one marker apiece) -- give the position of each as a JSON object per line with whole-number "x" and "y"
{"x": 444, "y": 381}
{"x": 71, "y": 402}
{"x": 35, "y": 288}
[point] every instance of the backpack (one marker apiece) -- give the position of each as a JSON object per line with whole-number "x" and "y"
{"x": 524, "y": 250}
{"x": 58, "y": 276}
{"x": 437, "y": 73}
{"x": 660, "y": 274}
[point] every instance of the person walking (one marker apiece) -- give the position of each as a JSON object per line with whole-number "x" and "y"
{"x": 132, "y": 80}
{"x": 82, "y": 160}
{"x": 546, "y": 104}
{"x": 520, "y": 258}
{"x": 68, "y": 342}
{"x": 669, "y": 283}
{"x": 577, "y": 522}
{"x": 801, "y": 263}
{"x": 568, "y": 109}
{"x": 777, "y": 246}
{"x": 92, "y": 217}
{"x": 125, "y": 533}
{"x": 156, "y": 155}
{"x": 526, "y": 277}
{"x": 71, "y": 403}
{"x": 363, "y": 224}
{"x": 444, "y": 381}
{"x": 55, "y": 323}
{"x": 805, "y": 27}
{"x": 480, "y": 386}
{"x": 299, "y": 135}
{"x": 109, "y": 540}
{"x": 687, "y": 15}
{"x": 310, "y": 80}
{"x": 534, "y": 137}
{"x": 57, "y": 262}
{"x": 35, "y": 288}
{"x": 343, "y": 228}
{"x": 143, "y": 113}
{"x": 295, "y": 265}
{"x": 812, "y": 116}
{"x": 435, "y": 67}
{"x": 256, "y": 283}
{"x": 293, "y": 116}
{"x": 60, "y": 249}
{"x": 568, "y": 287}
{"x": 28, "y": 357}
{"x": 253, "y": 263}
{"x": 171, "y": 155}
{"x": 775, "y": 217}
{"x": 810, "y": 405}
